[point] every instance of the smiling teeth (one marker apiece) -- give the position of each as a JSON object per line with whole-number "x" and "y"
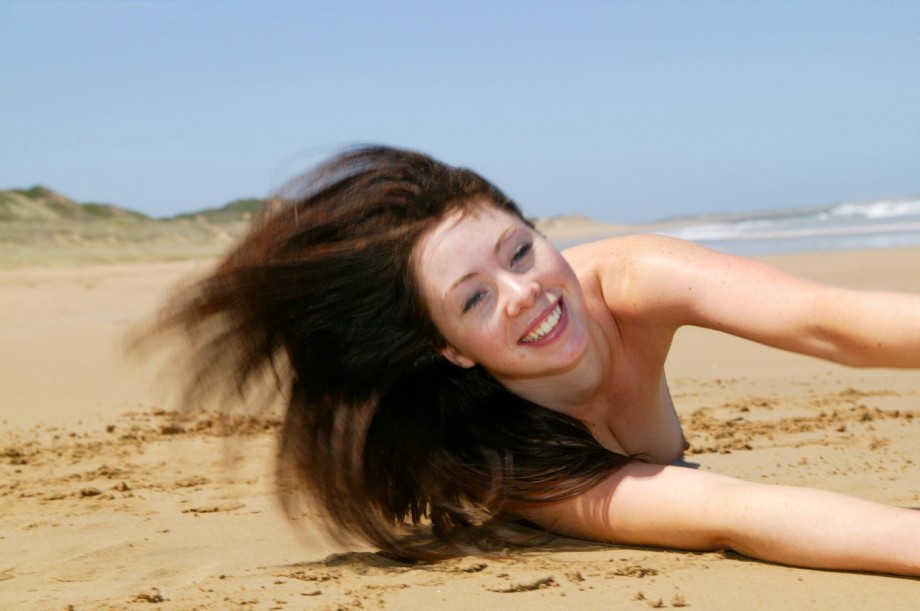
{"x": 549, "y": 323}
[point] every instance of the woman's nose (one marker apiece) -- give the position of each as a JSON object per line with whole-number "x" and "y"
{"x": 522, "y": 293}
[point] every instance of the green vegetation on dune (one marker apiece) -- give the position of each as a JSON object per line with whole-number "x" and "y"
{"x": 42, "y": 204}
{"x": 36, "y": 192}
{"x": 237, "y": 210}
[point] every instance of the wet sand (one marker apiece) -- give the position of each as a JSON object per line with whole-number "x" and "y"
{"x": 107, "y": 501}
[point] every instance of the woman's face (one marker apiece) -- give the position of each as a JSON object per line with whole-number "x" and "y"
{"x": 501, "y": 295}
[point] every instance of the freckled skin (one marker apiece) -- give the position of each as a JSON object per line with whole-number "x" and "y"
{"x": 634, "y": 409}
{"x": 605, "y": 367}
{"x": 624, "y": 299}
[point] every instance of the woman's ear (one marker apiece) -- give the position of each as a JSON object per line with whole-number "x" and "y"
{"x": 454, "y": 356}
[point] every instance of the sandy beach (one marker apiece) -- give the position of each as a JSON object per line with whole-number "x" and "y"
{"x": 108, "y": 501}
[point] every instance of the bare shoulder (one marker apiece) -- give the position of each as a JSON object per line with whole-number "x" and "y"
{"x": 661, "y": 265}
{"x": 625, "y": 251}
{"x": 631, "y": 248}
{"x": 670, "y": 282}
{"x": 622, "y": 266}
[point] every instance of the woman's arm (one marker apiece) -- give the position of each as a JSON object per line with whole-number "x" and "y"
{"x": 676, "y": 507}
{"x": 679, "y": 283}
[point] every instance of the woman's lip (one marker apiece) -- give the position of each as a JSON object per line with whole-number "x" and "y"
{"x": 555, "y": 332}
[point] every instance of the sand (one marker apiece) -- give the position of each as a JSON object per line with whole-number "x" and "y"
{"x": 108, "y": 502}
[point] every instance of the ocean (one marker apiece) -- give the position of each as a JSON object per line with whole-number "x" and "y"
{"x": 846, "y": 226}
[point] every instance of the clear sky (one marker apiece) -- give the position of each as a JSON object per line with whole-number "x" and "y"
{"x": 620, "y": 110}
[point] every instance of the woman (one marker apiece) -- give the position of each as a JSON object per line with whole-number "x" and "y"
{"x": 442, "y": 363}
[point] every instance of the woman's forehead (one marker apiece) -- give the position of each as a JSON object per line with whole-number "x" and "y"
{"x": 461, "y": 243}
{"x": 471, "y": 226}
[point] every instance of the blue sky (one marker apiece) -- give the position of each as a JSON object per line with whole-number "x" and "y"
{"x": 622, "y": 110}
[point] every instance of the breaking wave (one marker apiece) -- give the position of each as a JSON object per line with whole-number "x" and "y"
{"x": 873, "y": 224}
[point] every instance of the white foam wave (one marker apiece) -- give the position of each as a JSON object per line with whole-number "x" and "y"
{"x": 734, "y": 231}
{"x": 845, "y": 219}
{"x": 881, "y": 209}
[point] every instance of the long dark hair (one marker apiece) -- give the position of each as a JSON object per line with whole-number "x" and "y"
{"x": 383, "y": 433}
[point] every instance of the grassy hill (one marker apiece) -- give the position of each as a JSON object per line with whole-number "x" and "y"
{"x": 43, "y": 204}
{"x": 236, "y": 211}
{"x": 39, "y": 226}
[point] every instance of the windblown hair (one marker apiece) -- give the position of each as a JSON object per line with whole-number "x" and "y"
{"x": 380, "y": 430}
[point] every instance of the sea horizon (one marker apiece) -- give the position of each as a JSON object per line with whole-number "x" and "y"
{"x": 882, "y": 223}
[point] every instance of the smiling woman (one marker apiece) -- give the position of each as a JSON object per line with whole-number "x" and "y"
{"x": 447, "y": 371}
{"x": 498, "y": 292}
{"x": 380, "y": 428}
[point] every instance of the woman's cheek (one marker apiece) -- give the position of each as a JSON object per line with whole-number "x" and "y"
{"x": 493, "y": 329}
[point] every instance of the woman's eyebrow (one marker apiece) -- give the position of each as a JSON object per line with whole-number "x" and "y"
{"x": 502, "y": 238}
{"x": 505, "y": 235}
{"x": 461, "y": 281}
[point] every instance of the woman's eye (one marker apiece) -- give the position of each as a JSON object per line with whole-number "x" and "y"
{"x": 473, "y": 301}
{"x": 521, "y": 253}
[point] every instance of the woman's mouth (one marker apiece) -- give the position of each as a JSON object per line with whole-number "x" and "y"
{"x": 546, "y": 327}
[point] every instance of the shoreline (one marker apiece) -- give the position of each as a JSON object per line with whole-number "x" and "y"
{"x": 564, "y": 238}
